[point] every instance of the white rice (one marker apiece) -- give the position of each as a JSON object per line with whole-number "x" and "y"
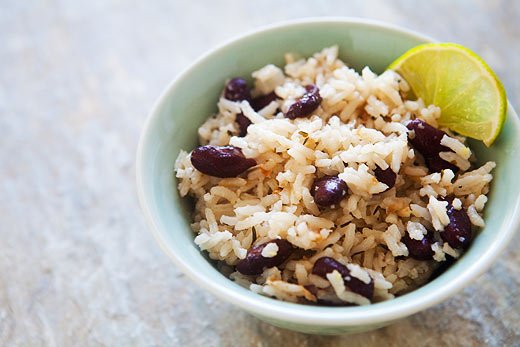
{"x": 457, "y": 204}
{"x": 269, "y": 251}
{"x": 360, "y": 124}
{"x": 416, "y": 230}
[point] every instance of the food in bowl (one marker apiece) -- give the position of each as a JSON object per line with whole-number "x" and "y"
{"x": 320, "y": 185}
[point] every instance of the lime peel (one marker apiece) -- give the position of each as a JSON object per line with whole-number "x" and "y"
{"x": 472, "y": 99}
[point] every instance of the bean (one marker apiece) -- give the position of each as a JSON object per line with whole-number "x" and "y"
{"x": 458, "y": 232}
{"x": 237, "y": 90}
{"x": 306, "y": 104}
{"x": 225, "y": 161}
{"x": 420, "y": 249}
{"x": 387, "y": 176}
{"x": 262, "y": 101}
{"x": 427, "y": 140}
{"x": 257, "y": 104}
{"x": 254, "y": 263}
{"x": 326, "y": 265}
{"x": 328, "y": 190}
{"x": 243, "y": 123}
{"x": 436, "y": 164}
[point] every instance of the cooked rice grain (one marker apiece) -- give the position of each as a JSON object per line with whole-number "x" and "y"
{"x": 360, "y": 125}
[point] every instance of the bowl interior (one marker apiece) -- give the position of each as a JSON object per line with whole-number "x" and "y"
{"x": 187, "y": 102}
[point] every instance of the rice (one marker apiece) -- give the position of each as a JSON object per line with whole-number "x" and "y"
{"x": 270, "y": 251}
{"x": 416, "y": 230}
{"x": 359, "y": 126}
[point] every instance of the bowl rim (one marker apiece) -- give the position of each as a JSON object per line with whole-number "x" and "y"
{"x": 306, "y": 314}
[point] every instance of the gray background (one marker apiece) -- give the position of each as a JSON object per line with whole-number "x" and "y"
{"x": 77, "y": 264}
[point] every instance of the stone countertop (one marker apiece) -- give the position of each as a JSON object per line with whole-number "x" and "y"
{"x": 77, "y": 264}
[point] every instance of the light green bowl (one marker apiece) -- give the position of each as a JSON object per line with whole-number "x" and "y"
{"x": 191, "y": 98}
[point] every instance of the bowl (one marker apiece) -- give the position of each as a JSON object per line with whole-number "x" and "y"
{"x": 192, "y": 97}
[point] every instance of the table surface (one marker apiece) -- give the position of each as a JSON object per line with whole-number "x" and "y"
{"x": 77, "y": 264}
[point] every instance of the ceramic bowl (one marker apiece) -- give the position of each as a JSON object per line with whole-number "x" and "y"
{"x": 192, "y": 97}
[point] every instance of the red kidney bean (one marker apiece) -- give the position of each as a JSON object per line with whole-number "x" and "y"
{"x": 420, "y": 249}
{"x": 262, "y": 101}
{"x": 257, "y": 104}
{"x": 225, "y": 161}
{"x": 427, "y": 140}
{"x": 326, "y": 265}
{"x": 458, "y": 232}
{"x": 237, "y": 90}
{"x": 243, "y": 123}
{"x": 387, "y": 176}
{"x": 328, "y": 190}
{"x": 436, "y": 164}
{"x": 254, "y": 263}
{"x": 306, "y": 104}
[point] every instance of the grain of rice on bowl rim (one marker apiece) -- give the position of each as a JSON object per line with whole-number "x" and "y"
{"x": 324, "y": 186}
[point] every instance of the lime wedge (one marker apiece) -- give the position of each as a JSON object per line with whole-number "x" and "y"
{"x": 472, "y": 99}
